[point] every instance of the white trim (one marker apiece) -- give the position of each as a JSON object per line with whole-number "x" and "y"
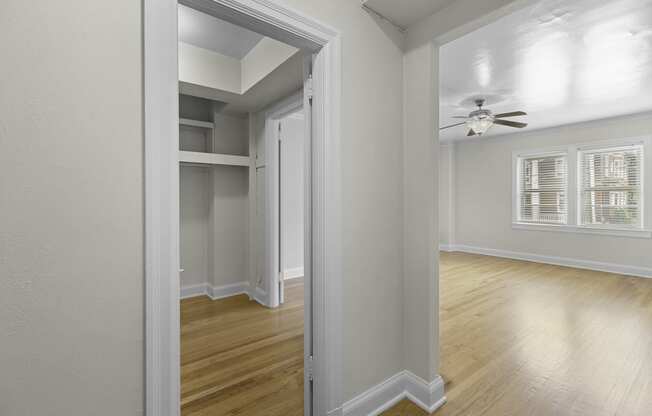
{"x": 226, "y": 291}
{"x": 196, "y": 123}
{"x": 559, "y": 261}
{"x": 574, "y": 189}
{"x": 379, "y": 398}
{"x": 161, "y": 175}
{"x": 221, "y": 292}
{"x": 517, "y": 156}
{"x": 204, "y": 158}
{"x": 613, "y": 145}
{"x": 273, "y": 115}
{"x": 428, "y": 396}
{"x": 193, "y": 291}
{"x": 580, "y": 229}
{"x": 447, "y": 247}
{"x": 295, "y": 273}
{"x": 162, "y": 323}
{"x": 259, "y": 295}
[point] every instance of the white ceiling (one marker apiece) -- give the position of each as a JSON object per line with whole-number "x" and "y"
{"x": 282, "y": 82}
{"x": 560, "y": 61}
{"x": 208, "y": 32}
{"x": 405, "y": 13}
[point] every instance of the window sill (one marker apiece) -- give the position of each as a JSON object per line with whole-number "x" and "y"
{"x": 613, "y": 232}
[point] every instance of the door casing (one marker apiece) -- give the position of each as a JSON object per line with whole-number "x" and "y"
{"x": 162, "y": 321}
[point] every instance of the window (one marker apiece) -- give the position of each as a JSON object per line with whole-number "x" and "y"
{"x": 543, "y": 189}
{"x": 595, "y": 188}
{"x": 610, "y": 187}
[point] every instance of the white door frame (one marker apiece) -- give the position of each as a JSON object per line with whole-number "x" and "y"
{"x": 273, "y": 118}
{"x": 162, "y": 321}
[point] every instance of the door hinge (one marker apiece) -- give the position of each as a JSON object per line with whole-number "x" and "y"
{"x": 309, "y": 89}
{"x": 309, "y": 369}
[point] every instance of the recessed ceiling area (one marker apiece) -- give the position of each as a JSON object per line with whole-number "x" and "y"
{"x": 562, "y": 62}
{"x": 224, "y": 62}
{"x": 207, "y": 32}
{"x": 405, "y": 13}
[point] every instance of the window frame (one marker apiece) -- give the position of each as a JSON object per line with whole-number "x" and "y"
{"x": 516, "y": 176}
{"x": 574, "y": 189}
{"x": 580, "y": 188}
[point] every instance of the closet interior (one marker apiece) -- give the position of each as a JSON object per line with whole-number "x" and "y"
{"x": 242, "y": 135}
{"x": 215, "y": 158}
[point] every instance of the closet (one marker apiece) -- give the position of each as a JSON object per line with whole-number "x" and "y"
{"x": 214, "y": 165}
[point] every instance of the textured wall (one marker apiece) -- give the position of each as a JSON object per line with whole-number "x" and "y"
{"x": 71, "y": 204}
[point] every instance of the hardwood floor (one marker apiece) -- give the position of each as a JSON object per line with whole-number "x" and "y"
{"x": 518, "y": 339}
{"x": 521, "y": 338}
{"x": 240, "y": 358}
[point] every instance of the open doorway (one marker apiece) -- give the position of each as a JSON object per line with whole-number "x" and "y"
{"x": 244, "y": 335}
{"x": 291, "y": 141}
{"x": 323, "y": 325}
{"x": 544, "y": 128}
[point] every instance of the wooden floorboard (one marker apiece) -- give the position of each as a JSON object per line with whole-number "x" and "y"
{"x": 240, "y": 358}
{"x": 517, "y": 338}
{"x": 521, "y": 338}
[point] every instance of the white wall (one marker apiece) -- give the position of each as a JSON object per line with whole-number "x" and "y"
{"x": 371, "y": 155}
{"x": 483, "y": 169}
{"x": 421, "y": 196}
{"x": 446, "y": 195}
{"x": 71, "y": 198}
{"x": 199, "y": 66}
{"x": 214, "y": 208}
{"x": 194, "y": 209}
{"x": 72, "y": 201}
{"x": 209, "y": 69}
{"x": 292, "y": 140}
{"x": 230, "y": 210}
{"x": 266, "y": 56}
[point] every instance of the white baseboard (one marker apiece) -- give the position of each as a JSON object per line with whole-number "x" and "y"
{"x": 194, "y": 291}
{"x": 558, "y": 261}
{"x": 428, "y": 396}
{"x": 214, "y": 292}
{"x": 220, "y": 292}
{"x": 446, "y": 247}
{"x": 259, "y": 295}
{"x": 293, "y": 273}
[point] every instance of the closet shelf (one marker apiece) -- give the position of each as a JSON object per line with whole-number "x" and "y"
{"x": 196, "y": 123}
{"x": 213, "y": 159}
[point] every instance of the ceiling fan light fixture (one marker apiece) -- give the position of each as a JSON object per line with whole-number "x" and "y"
{"x": 479, "y": 125}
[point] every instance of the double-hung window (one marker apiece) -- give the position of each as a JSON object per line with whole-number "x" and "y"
{"x": 594, "y": 188}
{"x": 543, "y": 189}
{"x": 610, "y": 191}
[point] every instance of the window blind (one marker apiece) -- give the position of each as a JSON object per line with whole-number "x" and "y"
{"x": 543, "y": 189}
{"x": 610, "y": 186}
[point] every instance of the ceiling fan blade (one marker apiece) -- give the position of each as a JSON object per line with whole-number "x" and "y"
{"x": 510, "y": 123}
{"x": 452, "y": 125}
{"x": 471, "y": 133}
{"x": 512, "y": 114}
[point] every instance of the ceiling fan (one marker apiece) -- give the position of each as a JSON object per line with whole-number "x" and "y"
{"x": 480, "y": 120}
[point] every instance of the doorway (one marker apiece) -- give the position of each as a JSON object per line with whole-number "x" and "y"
{"x": 242, "y": 170}
{"x": 162, "y": 196}
{"x": 287, "y": 125}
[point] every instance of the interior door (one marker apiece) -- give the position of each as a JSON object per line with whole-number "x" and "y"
{"x": 281, "y": 249}
{"x": 308, "y": 321}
